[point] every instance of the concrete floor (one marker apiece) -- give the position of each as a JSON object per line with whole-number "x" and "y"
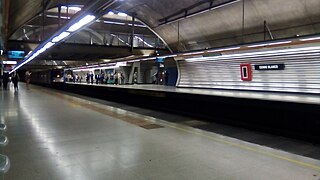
{"x": 58, "y": 136}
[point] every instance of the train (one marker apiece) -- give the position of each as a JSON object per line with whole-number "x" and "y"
{"x": 51, "y": 77}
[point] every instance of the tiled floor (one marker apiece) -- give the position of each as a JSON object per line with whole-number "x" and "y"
{"x": 58, "y": 136}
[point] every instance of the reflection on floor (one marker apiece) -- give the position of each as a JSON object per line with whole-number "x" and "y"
{"x": 62, "y": 136}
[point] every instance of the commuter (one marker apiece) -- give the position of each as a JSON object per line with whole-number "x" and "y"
{"x": 15, "y": 80}
{"x": 102, "y": 78}
{"x": 97, "y": 78}
{"x": 73, "y": 78}
{"x": 115, "y": 77}
{"x": 87, "y": 78}
{"x": 77, "y": 78}
{"x": 91, "y": 78}
{"x": 107, "y": 78}
{"x": 119, "y": 77}
{"x": 5, "y": 80}
{"x": 122, "y": 78}
{"x": 28, "y": 76}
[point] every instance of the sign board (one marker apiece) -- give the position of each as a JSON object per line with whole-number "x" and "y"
{"x": 15, "y": 54}
{"x": 10, "y": 62}
{"x": 245, "y": 72}
{"x": 264, "y": 67}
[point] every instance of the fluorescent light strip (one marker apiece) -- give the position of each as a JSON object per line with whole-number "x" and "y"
{"x": 87, "y": 19}
{"x": 310, "y": 39}
{"x": 192, "y": 53}
{"x": 137, "y": 25}
{"x": 224, "y": 49}
{"x": 60, "y": 37}
{"x": 112, "y": 22}
{"x": 270, "y": 44}
{"x": 137, "y": 60}
{"x": 122, "y": 14}
{"x": 62, "y": 17}
{"x": 258, "y": 54}
{"x": 173, "y": 55}
{"x": 10, "y": 62}
{"x": 110, "y": 13}
{"x": 71, "y": 8}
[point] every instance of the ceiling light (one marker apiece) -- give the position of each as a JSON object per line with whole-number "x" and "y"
{"x": 87, "y": 19}
{"x": 224, "y": 49}
{"x": 310, "y": 39}
{"x": 270, "y": 44}
{"x": 60, "y": 37}
{"x": 72, "y": 8}
{"x": 192, "y": 53}
{"x": 259, "y": 54}
{"x": 122, "y": 14}
{"x": 10, "y": 62}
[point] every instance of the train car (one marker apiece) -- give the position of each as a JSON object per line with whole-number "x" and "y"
{"x": 52, "y": 77}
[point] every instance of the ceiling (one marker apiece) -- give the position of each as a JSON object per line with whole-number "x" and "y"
{"x": 184, "y": 25}
{"x": 214, "y": 28}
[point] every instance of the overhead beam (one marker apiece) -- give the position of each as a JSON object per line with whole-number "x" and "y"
{"x": 186, "y": 12}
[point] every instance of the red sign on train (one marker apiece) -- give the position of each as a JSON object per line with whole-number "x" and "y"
{"x": 246, "y": 72}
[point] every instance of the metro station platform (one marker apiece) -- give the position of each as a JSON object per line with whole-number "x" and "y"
{"x": 287, "y": 114}
{"x": 59, "y": 135}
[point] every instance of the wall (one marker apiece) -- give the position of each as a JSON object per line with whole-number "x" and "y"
{"x": 301, "y": 73}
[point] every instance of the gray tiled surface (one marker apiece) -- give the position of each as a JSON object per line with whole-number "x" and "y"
{"x": 57, "y": 136}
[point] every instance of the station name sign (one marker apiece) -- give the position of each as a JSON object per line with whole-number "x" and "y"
{"x": 269, "y": 67}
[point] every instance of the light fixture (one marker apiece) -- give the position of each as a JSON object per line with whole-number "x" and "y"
{"x": 87, "y": 19}
{"x": 10, "y": 62}
{"x": 82, "y": 22}
{"x": 310, "y": 39}
{"x": 258, "y": 54}
{"x": 1, "y": 52}
{"x": 192, "y": 53}
{"x": 45, "y": 47}
{"x": 224, "y": 49}
{"x": 122, "y": 14}
{"x": 112, "y": 22}
{"x": 60, "y": 37}
{"x": 269, "y": 44}
{"x": 110, "y": 13}
{"x": 71, "y": 8}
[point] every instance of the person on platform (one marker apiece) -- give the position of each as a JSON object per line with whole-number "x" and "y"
{"x": 5, "y": 80}
{"x": 15, "y": 80}
{"x": 28, "y": 77}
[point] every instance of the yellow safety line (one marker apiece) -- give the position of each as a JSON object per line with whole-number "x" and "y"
{"x": 308, "y": 165}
